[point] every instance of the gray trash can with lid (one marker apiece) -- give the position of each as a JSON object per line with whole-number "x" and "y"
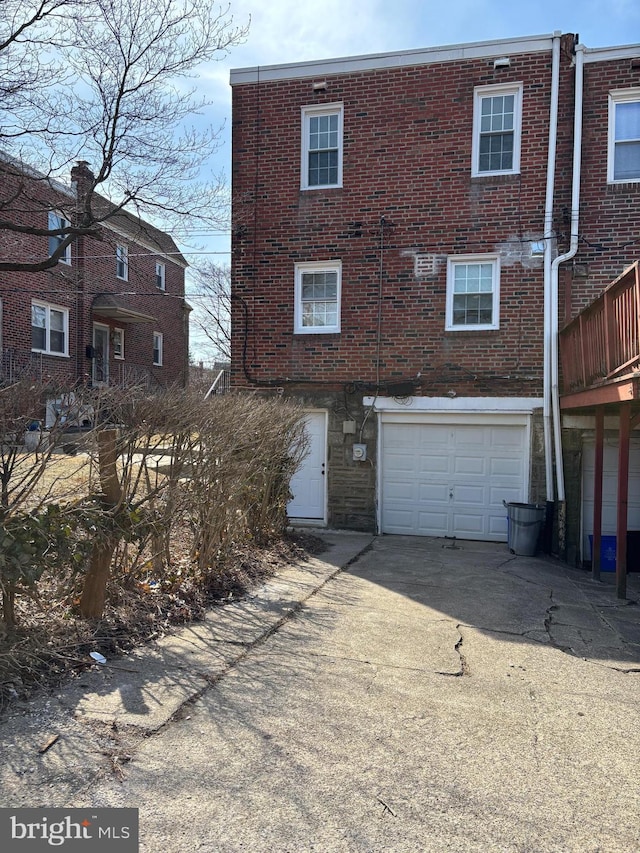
{"x": 525, "y": 522}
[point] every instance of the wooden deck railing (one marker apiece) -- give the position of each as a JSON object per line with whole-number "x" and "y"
{"x": 603, "y": 342}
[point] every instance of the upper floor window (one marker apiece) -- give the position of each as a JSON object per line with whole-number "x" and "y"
{"x": 317, "y": 297}
{"x": 49, "y": 329}
{"x": 473, "y": 292}
{"x": 157, "y": 349}
{"x": 497, "y": 119}
{"x": 161, "y": 271}
{"x": 321, "y": 147}
{"x": 122, "y": 262}
{"x": 624, "y": 135}
{"x": 57, "y": 222}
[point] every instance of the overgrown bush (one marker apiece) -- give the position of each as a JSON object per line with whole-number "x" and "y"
{"x": 153, "y": 469}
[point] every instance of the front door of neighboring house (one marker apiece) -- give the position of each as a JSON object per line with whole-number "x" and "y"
{"x": 100, "y": 371}
{"x": 308, "y": 484}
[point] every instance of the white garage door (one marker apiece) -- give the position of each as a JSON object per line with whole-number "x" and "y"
{"x": 450, "y": 479}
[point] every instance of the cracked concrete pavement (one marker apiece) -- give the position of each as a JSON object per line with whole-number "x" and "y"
{"x": 393, "y": 693}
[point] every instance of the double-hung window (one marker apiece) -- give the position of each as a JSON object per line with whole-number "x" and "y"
{"x": 473, "y": 292}
{"x": 321, "y": 147}
{"x": 122, "y": 262}
{"x": 56, "y": 223}
{"x": 117, "y": 337}
{"x": 161, "y": 272}
{"x": 624, "y": 135}
{"x": 157, "y": 349}
{"x": 317, "y": 297}
{"x": 49, "y": 329}
{"x": 497, "y": 121}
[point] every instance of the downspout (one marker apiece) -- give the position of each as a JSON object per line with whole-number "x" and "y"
{"x": 573, "y": 247}
{"x": 548, "y": 251}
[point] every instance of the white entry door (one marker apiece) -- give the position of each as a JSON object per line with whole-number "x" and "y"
{"x": 450, "y": 479}
{"x": 308, "y": 484}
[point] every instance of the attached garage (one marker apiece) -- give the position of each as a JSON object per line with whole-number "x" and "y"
{"x": 448, "y": 474}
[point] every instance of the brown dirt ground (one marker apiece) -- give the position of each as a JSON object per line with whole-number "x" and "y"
{"x": 52, "y": 644}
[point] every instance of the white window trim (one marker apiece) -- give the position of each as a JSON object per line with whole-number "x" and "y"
{"x": 618, "y": 96}
{"x": 454, "y": 260}
{"x": 315, "y": 266}
{"x": 61, "y": 222}
{"x": 160, "y": 338}
{"x": 122, "y": 254}
{"x": 161, "y": 273}
{"x": 307, "y": 112}
{"x": 479, "y": 93}
{"x": 117, "y": 330}
{"x": 65, "y": 313}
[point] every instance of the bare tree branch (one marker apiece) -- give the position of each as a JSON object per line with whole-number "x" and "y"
{"x": 212, "y": 308}
{"x": 107, "y": 82}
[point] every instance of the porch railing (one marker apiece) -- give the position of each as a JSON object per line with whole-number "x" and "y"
{"x": 134, "y": 376}
{"x": 18, "y": 364}
{"x": 603, "y": 342}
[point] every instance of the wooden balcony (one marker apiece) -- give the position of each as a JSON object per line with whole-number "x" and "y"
{"x": 600, "y": 348}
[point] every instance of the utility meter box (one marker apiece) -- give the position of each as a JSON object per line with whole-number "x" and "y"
{"x": 360, "y": 452}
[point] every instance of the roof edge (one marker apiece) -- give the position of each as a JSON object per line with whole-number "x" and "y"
{"x": 606, "y": 54}
{"x": 176, "y": 258}
{"x": 397, "y": 59}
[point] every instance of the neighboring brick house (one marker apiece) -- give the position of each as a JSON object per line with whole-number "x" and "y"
{"x": 395, "y": 222}
{"x": 111, "y": 311}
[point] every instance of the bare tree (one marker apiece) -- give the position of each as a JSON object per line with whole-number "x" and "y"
{"x": 27, "y": 27}
{"x": 212, "y": 308}
{"x": 106, "y": 82}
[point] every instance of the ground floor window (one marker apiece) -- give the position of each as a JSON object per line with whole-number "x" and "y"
{"x": 49, "y": 329}
{"x": 157, "y": 349}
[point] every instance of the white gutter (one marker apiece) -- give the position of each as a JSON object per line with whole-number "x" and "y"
{"x": 549, "y": 244}
{"x": 573, "y": 247}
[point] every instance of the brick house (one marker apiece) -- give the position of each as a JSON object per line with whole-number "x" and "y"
{"x": 402, "y": 224}
{"x": 111, "y": 311}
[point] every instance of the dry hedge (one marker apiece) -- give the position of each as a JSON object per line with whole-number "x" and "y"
{"x": 162, "y": 505}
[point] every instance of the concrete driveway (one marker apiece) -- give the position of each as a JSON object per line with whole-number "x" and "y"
{"x": 430, "y": 696}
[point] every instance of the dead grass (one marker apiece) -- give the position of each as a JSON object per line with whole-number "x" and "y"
{"x": 65, "y": 476}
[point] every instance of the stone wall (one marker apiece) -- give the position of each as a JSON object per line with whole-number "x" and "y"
{"x": 351, "y": 485}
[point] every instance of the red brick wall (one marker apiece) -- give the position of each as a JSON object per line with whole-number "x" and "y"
{"x": 407, "y": 158}
{"x": 609, "y": 214}
{"x": 166, "y": 306}
{"x": 92, "y": 272}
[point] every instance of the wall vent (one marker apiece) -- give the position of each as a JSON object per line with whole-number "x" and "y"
{"x": 424, "y": 265}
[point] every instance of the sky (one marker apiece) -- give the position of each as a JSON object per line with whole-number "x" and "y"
{"x": 290, "y": 31}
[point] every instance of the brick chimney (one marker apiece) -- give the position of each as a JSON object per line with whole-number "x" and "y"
{"x": 82, "y": 179}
